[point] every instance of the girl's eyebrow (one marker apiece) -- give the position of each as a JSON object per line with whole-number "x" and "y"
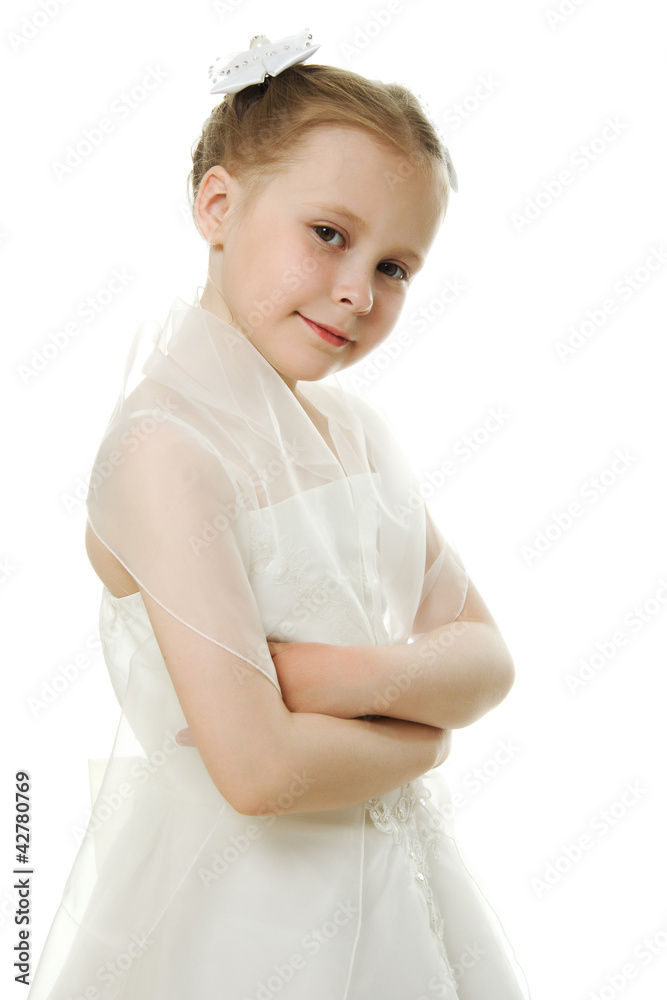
{"x": 362, "y": 226}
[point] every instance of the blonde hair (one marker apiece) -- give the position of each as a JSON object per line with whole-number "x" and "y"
{"x": 256, "y": 133}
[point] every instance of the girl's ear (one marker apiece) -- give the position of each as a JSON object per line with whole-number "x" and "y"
{"x": 212, "y": 203}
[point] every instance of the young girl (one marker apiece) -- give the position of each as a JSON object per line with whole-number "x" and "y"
{"x": 269, "y": 822}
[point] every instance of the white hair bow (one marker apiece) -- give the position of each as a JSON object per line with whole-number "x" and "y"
{"x": 261, "y": 59}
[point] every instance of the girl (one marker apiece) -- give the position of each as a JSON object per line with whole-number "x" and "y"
{"x": 269, "y": 822}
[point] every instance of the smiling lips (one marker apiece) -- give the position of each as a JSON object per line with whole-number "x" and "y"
{"x": 328, "y": 333}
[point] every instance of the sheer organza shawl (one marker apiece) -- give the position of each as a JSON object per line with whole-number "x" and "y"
{"x": 205, "y": 453}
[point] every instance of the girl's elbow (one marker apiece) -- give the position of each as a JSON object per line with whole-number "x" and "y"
{"x": 251, "y": 799}
{"x": 247, "y": 807}
{"x": 255, "y": 785}
{"x": 508, "y": 676}
{"x": 505, "y": 677}
{"x": 246, "y": 789}
{"x": 495, "y": 691}
{"x": 267, "y": 792}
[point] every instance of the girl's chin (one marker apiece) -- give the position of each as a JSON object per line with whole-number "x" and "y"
{"x": 303, "y": 370}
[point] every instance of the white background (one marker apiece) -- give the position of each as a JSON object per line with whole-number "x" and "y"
{"x": 535, "y": 92}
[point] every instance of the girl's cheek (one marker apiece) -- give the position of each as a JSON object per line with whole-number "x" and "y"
{"x": 311, "y": 266}
{"x": 317, "y": 255}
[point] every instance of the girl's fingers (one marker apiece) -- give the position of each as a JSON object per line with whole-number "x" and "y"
{"x": 184, "y": 738}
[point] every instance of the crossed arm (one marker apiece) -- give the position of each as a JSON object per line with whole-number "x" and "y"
{"x": 252, "y": 737}
{"x": 448, "y": 677}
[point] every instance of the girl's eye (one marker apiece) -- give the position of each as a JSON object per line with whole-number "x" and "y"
{"x": 329, "y": 231}
{"x": 327, "y": 234}
{"x": 403, "y": 275}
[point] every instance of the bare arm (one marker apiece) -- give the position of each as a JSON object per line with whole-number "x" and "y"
{"x": 255, "y": 749}
{"x": 448, "y": 678}
{"x": 341, "y": 762}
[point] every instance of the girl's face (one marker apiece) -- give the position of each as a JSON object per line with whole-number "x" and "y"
{"x": 334, "y": 239}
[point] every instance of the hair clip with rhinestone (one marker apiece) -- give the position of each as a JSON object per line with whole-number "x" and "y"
{"x": 261, "y": 59}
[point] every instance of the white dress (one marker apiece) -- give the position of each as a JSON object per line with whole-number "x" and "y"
{"x": 175, "y": 896}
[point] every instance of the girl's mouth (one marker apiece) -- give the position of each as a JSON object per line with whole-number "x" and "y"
{"x": 331, "y": 338}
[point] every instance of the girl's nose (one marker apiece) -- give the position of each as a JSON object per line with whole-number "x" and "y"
{"x": 354, "y": 288}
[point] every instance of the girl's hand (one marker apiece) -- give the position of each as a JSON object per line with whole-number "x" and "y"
{"x": 184, "y": 738}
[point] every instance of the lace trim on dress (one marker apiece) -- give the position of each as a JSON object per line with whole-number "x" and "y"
{"x": 323, "y": 598}
{"x": 420, "y": 837}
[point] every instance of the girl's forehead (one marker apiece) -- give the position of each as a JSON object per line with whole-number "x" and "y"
{"x": 349, "y": 160}
{"x": 346, "y": 141}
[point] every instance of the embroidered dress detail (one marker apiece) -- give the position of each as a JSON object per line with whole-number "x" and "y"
{"x": 420, "y": 836}
{"x": 262, "y": 547}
